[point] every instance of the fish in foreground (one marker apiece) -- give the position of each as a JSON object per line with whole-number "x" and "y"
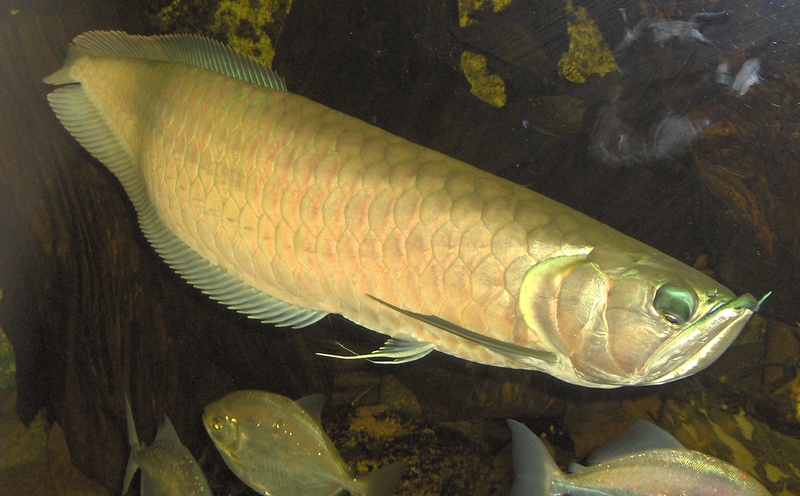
{"x": 168, "y": 468}
{"x": 277, "y": 446}
{"x": 641, "y": 461}
{"x": 286, "y": 210}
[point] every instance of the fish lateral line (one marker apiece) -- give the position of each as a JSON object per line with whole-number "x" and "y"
{"x": 496, "y": 345}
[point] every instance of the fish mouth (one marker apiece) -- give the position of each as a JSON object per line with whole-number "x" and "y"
{"x": 700, "y": 344}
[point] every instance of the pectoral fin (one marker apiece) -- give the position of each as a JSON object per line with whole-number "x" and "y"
{"x": 394, "y": 351}
{"x": 504, "y": 348}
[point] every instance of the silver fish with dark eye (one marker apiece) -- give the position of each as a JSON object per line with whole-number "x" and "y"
{"x": 691, "y": 318}
{"x": 232, "y": 177}
{"x": 168, "y": 467}
{"x": 642, "y": 461}
{"x": 277, "y": 446}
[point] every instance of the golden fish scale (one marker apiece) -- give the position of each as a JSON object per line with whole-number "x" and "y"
{"x": 320, "y": 209}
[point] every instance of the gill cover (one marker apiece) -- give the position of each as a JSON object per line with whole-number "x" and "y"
{"x": 621, "y": 320}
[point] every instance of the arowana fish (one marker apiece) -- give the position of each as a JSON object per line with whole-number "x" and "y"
{"x": 287, "y": 210}
{"x": 644, "y": 460}
{"x": 277, "y": 446}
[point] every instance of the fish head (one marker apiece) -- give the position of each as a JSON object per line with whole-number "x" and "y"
{"x": 623, "y": 318}
{"x": 223, "y": 427}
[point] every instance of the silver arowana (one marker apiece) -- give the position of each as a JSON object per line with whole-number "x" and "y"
{"x": 286, "y": 210}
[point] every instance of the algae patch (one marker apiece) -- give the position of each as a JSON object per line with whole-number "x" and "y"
{"x": 588, "y": 52}
{"x": 251, "y": 27}
{"x": 465, "y": 7}
{"x": 483, "y": 84}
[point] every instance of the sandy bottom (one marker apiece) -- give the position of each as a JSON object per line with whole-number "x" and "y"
{"x": 35, "y": 460}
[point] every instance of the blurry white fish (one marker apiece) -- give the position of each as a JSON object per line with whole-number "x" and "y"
{"x": 641, "y": 461}
{"x": 746, "y": 77}
{"x": 168, "y": 468}
{"x": 664, "y": 30}
{"x": 674, "y": 133}
{"x": 723, "y": 73}
{"x": 277, "y": 447}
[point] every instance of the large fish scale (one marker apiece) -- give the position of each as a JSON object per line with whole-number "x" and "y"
{"x": 256, "y": 194}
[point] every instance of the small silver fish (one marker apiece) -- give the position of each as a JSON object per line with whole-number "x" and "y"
{"x": 674, "y": 133}
{"x": 664, "y": 30}
{"x": 683, "y": 30}
{"x": 641, "y": 461}
{"x": 168, "y": 468}
{"x": 277, "y": 446}
{"x": 723, "y": 73}
{"x": 746, "y": 77}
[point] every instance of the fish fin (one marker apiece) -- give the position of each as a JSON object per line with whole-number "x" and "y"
{"x": 758, "y": 305}
{"x": 197, "y": 51}
{"x": 641, "y": 436}
{"x": 394, "y": 351}
{"x": 83, "y": 120}
{"x": 312, "y": 405}
{"x": 508, "y": 349}
{"x": 534, "y": 468}
{"x": 383, "y": 481}
{"x": 133, "y": 439}
{"x": 151, "y": 486}
{"x": 576, "y": 468}
{"x": 218, "y": 284}
{"x": 166, "y": 431}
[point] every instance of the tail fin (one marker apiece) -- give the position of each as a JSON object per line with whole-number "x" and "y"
{"x": 383, "y": 481}
{"x": 133, "y": 439}
{"x": 534, "y": 468}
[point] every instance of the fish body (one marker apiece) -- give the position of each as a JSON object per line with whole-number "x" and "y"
{"x": 664, "y": 30}
{"x": 287, "y": 210}
{"x": 642, "y": 461}
{"x": 747, "y": 76}
{"x": 168, "y": 468}
{"x": 277, "y": 446}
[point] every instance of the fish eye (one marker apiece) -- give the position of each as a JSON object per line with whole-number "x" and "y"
{"x": 217, "y": 423}
{"x": 675, "y": 303}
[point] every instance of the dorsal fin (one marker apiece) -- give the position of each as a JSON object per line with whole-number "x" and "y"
{"x": 166, "y": 431}
{"x": 641, "y": 436}
{"x": 192, "y": 50}
{"x": 312, "y": 404}
{"x": 82, "y": 118}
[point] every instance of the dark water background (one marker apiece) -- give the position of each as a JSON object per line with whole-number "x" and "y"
{"x": 659, "y": 149}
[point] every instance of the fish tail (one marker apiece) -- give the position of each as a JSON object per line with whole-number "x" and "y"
{"x": 133, "y": 439}
{"x": 534, "y": 468}
{"x": 64, "y": 74}
{"x": 383, "y": 481}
